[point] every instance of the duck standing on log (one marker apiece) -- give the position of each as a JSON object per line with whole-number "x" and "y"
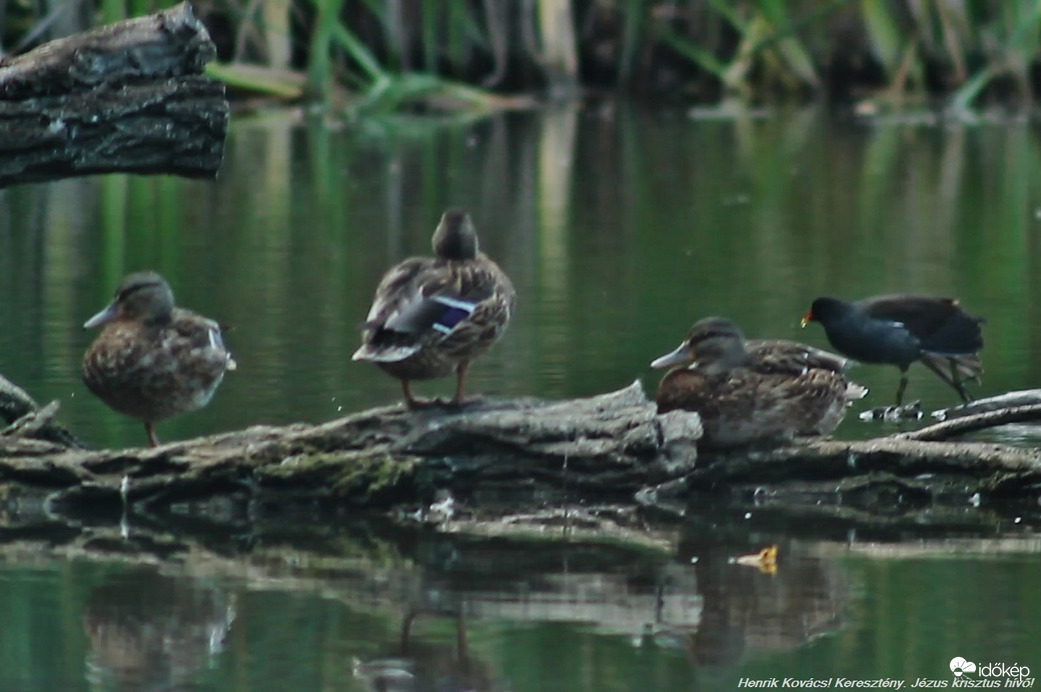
{"x": 153, "y": 360}
{"x": 431, "y": 317}
{"x": 900, "y": 329}
{"x": 753, "y": 392}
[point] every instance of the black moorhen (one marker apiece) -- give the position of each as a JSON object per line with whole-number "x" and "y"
{"x": 900, "y": 329}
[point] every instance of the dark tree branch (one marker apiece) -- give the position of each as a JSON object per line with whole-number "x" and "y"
{"x": 974, "y": 422}
{"x": 129, "y": 97}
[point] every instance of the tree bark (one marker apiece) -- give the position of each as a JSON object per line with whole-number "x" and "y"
{"x": 128, "y": 97}
{"x": 607, "y": 446}
{"x": 503, "y": 454}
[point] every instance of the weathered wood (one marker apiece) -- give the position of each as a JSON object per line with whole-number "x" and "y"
{"x": 965, "y": 423}
{"x": 508, "y": 454}
{"x": 1008, "y": 400}
{"x": 879, "y": 478}
{"x": 171, "y": 43}
{"x": 128, "y": 97}
{"x": 605, "y": 446}
{"x": 27, "y": 420}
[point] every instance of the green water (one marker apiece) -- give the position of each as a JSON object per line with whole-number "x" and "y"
{"x": 619, "y": 228}
{"x": 289, "y": 612}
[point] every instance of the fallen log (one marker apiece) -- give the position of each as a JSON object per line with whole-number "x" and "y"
{"x": 606, "y": 446}
{"x": 495, "y": 456}
{"x": 963, "y": 423}
{"x": 128, "y": 97}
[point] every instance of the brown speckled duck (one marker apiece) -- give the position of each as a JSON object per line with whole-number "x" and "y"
{"x": 754, "y": 392}
{"x": 431, "y": 317}
{"x": 153, "y": 360}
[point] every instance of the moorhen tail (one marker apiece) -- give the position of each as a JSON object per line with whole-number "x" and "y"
{"x": 900, "y": 329}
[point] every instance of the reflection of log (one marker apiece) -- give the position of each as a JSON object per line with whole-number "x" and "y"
{"x": 125, "y": 97}
{"x": 713, "y": 609}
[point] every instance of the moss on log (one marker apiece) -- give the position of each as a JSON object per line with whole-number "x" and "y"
{"x": 607, "y": 446}
{"x": 506, "y": 454}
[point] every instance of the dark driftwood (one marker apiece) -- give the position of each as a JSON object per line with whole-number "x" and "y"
{"x": 505, "y": 454}
{"x": 129, "y": 97}
{"x": 27, "y": 420}
{"x": 606, "y": 446}
{"x": 892, "y": 475}
{"x": 984, "y": 418}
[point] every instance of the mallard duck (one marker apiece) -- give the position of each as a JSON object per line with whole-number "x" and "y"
{"x": 153, "y": 360}
{"x": 431, "y": 317}
{"x": 761, "y": 391}
{"x": 900, "y": 329}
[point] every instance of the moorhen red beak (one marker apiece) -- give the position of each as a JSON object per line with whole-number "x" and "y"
{"x": 900, "y": 329}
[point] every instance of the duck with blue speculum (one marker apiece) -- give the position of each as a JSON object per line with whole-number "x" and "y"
{"x": 153, "y": 360}
{"x": 753, "y": 392}
{"x": 431, "y": 317}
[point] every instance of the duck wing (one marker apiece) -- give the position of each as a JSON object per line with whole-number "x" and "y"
{"x": 778, "y": 356}
{"x": 197, "y": 342}
{"x": 422, "y": 302}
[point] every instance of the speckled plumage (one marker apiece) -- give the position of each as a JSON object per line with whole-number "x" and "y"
{"x": 431, "y": 317}
{"x": 153, "y": 360}
{"x": 765, "y": 391}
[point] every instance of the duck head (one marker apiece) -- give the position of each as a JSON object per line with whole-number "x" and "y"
{"x": 455, "y": 237}
{"x": 713, "y": 345}
{"x": 143, "y": 297}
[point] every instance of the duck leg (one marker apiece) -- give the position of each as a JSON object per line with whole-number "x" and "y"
{"x": 460, "y": 382}
{"x": 411, "y": 402}
{"x": 153, "y": 441}
{"x": 414, "y": 402}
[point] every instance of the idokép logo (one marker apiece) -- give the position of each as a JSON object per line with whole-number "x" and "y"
{"x": 960, "y": 666}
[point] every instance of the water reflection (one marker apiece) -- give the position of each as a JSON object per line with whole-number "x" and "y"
{"x": 751, "y": 611}
{"x": 619, "y": 228}
{"x": 373, "y": 605}
{"x": 147, "y": 631}
{"x": 418, "y": 665}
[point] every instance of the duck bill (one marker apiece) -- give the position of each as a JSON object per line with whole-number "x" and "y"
{"x": 110, "y": 313}
{"x": 678, "y": 357}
